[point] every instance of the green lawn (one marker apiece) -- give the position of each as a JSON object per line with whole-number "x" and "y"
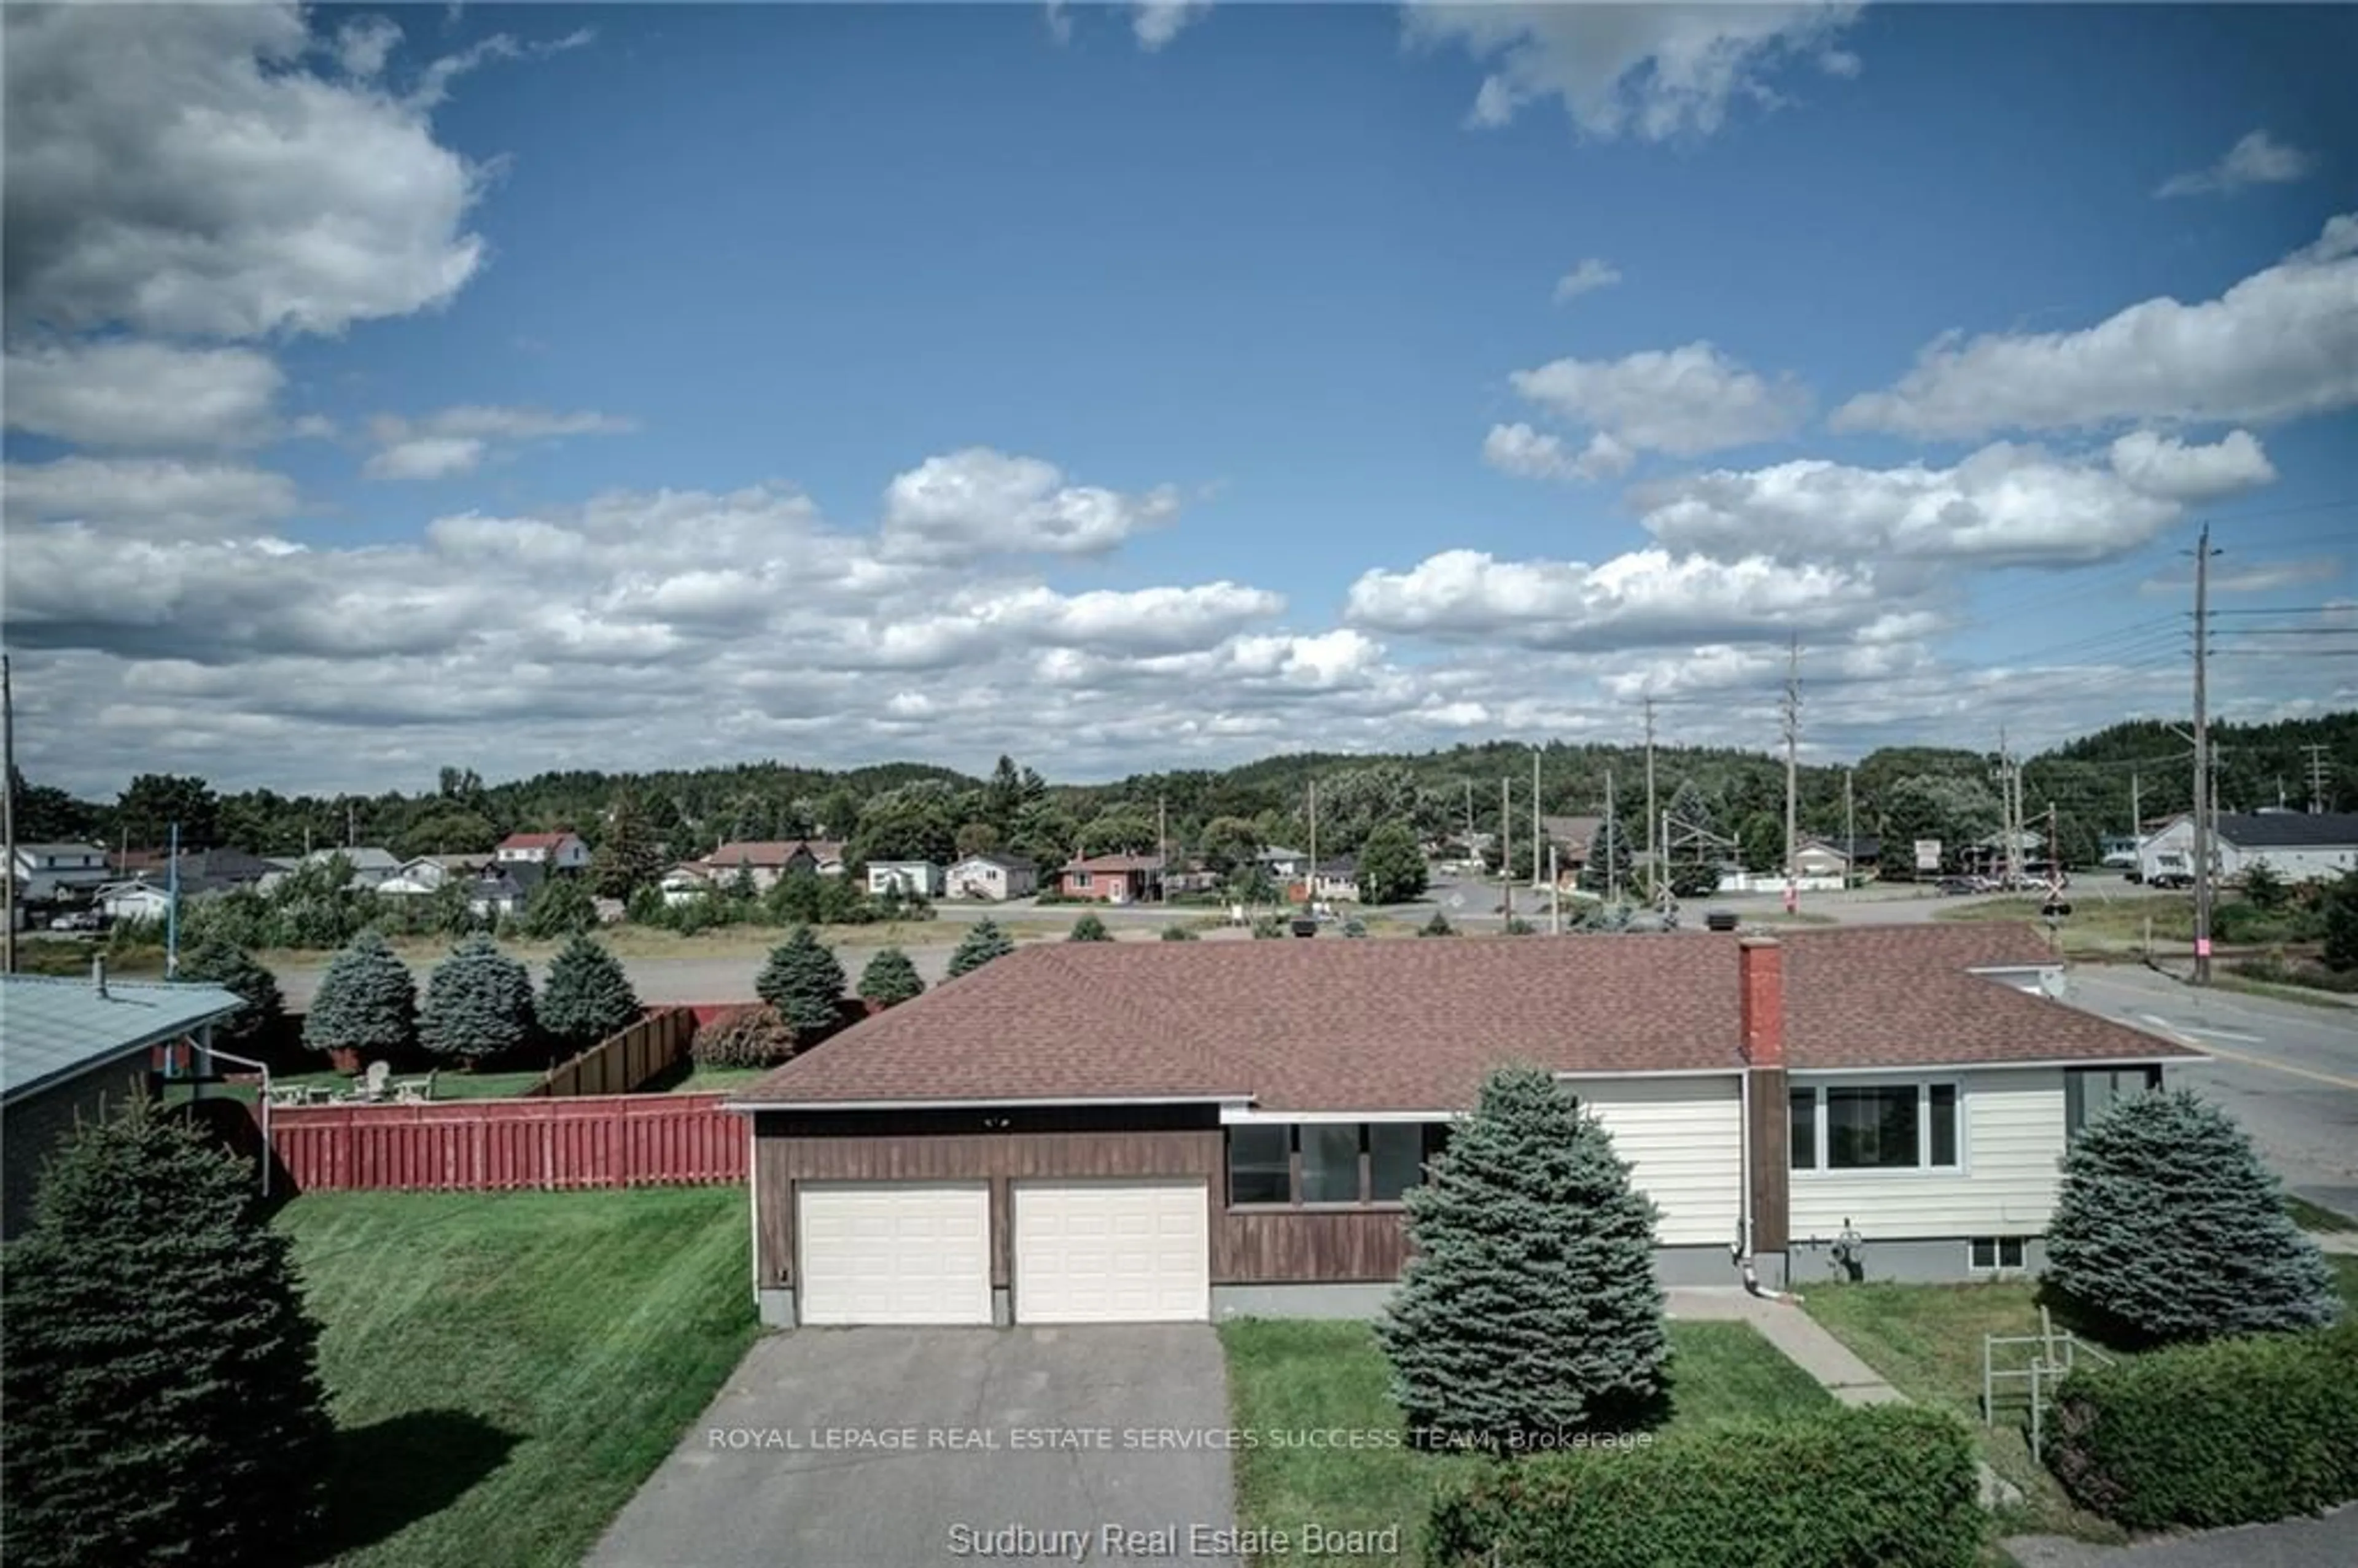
{"x": 507, "y": 1368}
{"x": 2309, "y": 1216}
{"x": 1290, "y": 1376}
{"x": 446, "y": 1085}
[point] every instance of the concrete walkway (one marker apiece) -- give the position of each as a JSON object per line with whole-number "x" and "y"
{"x": 1809, "y": 1346}
{"x": 2342, "y": 1241}
{"x": 1795, "y": 1333}
{"x": 2330, "y": 1542}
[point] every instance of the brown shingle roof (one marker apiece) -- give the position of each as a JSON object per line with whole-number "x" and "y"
{"x": 1414, "y": 1025}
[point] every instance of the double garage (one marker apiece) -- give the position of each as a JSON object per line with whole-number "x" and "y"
{"x": 1136, "y": 1250}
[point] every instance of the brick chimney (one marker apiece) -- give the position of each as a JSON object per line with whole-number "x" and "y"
{"x": 1760, "y": 972}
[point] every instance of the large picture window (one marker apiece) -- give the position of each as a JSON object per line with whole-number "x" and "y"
{"x": 1327, "y": 1163}
{"x": 1877, "y": 1127}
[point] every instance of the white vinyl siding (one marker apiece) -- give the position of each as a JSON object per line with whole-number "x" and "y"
{"x": 2012, "y": 1139}
{"x": 887, "y": 1252}
{"x": 1684, "y": 1140}
{"x": 1112, "y": 1251}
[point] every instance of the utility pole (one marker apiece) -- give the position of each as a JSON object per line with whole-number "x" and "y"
{"x": 1506, "y": 845}
{"x": 172, "y": 908}
{"x": 2137, "y": 813}
{"x": 1653, "y": 866}
{"x": 1850, "y": 827}
{"x": 1555, "y": 896}
{"x": 2202, "y": 554}
{"x": 2054, "y": 865}
{"x": 1310, "y": 873}
{"x": 2316, "y": 779}
{"x": 8, "y": 807}
{"x": 1469, "y": 815}
{"x": 1536, "y": 837}
{"x": 1792, "y": 774}
{"x": 1612, "y": 846}
{"x": 1162, "y": 849}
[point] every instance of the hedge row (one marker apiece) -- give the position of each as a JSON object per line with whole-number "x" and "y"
{"x": 2235, "y": 1432}
{"x": 1881, "y": 1487}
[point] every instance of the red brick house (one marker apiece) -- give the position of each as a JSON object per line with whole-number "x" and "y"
{"x": 1151, "y": 1131}
{"x": 1113, "y": 879}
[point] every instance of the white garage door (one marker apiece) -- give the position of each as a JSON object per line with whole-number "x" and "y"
{"x": 895, "y": 1253}
{"x": 1112, "y": 1252}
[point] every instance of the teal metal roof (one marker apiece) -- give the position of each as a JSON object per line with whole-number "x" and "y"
{"x": 53, "y": 1027}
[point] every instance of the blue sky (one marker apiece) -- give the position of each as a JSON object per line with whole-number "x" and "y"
{"x": 616, "y": 386}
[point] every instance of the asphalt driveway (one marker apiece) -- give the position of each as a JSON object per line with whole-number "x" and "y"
{"x": 927, "y": 1448}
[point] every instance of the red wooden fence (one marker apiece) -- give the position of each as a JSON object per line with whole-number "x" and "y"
{"x": 601, "y": 1140}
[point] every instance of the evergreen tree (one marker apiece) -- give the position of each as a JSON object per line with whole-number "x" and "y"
{"x": 1391, "y": 868}
{"x": 1437, "y": 927}
{"x": 2342, "y": 923}
{"x": 1089, "y": 928}
{"x": 223, "y": 963}
{"x": 1608, "y": 849}
{"x": 630, "y": 855}
{"x": 367, "y": 1001}
{"x": 985, "y": 942}
{"x": 803, "y": 982}
{"x": 1529, "y": 1303}
{"x": 588, "y": 997}
{"x": 890, "y": 978}
{"x": 478, "y": 1003}
{"x": 559, "y": 907}
{"x": 1179, "y": 933}
{"x": 161, "y": 1385}
{"x": 2168, "y": 1226}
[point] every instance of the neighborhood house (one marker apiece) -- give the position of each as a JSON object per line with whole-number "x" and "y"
{"x": 920, "y": 879}
{"x": 1113, "y": 879}
{"x": 1086, "y": 1133}
{"x": 2298, "y": 846}
{"x": 550, "y": 851}
{"x": 995, "y": 877}
{"x": 764, "y": 861}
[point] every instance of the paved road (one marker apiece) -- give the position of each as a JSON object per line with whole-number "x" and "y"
{"x": 2328, "y": 1542}
{"x": 1090, "y": 1429}
{"x": 2287, "y": 1071}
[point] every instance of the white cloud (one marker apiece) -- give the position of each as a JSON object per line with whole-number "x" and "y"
{"x": 2256, "y": 158}
{"x": 1646, "y": 598}
{"x": 1652, "y": 71}
{"x": 120, "y": 496}
{"x": 1684, "y": 401}
{"x": 1590, "y": 276}
{"x": 1158, "y": 22}
{"x": 424, "y": 457}
{"x": 978, "y": 502}
{"x": 130, "y": 394}
{"x": 1527, "y": 453}
{"x": 2246, "y": 577}
{"x": 363, "y": 44}
{"x": 456, "y": 440}
{"x": 182, "y": 169}
{"x": 2166, "y": 466}
{"x": 2004, "y": 505}
{"x": 2280, "y": 343}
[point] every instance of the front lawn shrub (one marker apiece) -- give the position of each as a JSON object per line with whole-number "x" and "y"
{"x": 161, "y": 1373}
{"x": 1531, "y": 1304}
{"x": 2235, "y": 1432}
{"x": 1876, "y": 1486}
{"x": 890, "y": 978}
{"x": 1089, "y": 928}
{"x": 2168, "y": 1228}
{"x": 1178, "y": 933}
{"x": 982, "y": 943}
{"x": 744, "y": 1037}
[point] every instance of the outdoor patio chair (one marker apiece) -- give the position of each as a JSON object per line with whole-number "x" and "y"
{"x": 413, "y": 1091}
{"x": 371, "y": 1084}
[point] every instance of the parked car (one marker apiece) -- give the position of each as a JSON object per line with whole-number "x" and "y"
{"x": 1953, "y": 886}
{"x": 2172, "y": 880}
{"x": 77, "y": 920}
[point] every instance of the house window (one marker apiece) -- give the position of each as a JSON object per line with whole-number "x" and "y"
{"x": 2089, "y": 1092}
{"x": 1080, "y": 879}
{"x": 1261, "y": 1165}
{"x": 1992, "y": 1252}
{"x": 1876, "y": 1127}
{"x": 1327, "y": 1163}
{"x": 1395, "y": 1159}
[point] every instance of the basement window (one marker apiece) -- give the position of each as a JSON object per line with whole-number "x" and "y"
{"x": 1986, "y": 1254}
{"x": 1877, "y": 1127}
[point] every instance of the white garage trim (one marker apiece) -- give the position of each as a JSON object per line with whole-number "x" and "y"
{"x": 1112, "y": 1251}
{"x": 887, "y": 1253}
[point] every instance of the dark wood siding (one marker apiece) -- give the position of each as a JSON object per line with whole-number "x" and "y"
{"x": 1248, "y": 1246}
{"x": 1308, "y": 1246}
{"x": 1770, "y": 1151}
